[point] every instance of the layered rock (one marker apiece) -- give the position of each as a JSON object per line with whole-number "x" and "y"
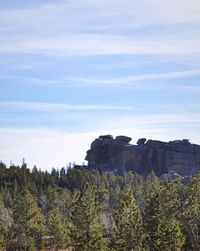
{"x": 178, "y": 156}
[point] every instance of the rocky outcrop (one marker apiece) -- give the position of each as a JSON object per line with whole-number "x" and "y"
{"x": 124, "y": 139}
{"x": 178, "y": 156}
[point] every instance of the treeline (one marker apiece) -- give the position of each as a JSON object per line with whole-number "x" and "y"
{"x": 91, "y": 211}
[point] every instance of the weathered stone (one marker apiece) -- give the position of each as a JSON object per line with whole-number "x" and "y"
{"x": 97, "y": 143}
{"x": 173, "y": 175}
{"x": 123, "y": 138}
{"x": 108, "y": 136}
{"x": 197, "y": 153}
{"x": 141, "y": 141}
{"x": 109, "y": 154}
{"x": 109, "y": 142}
{"x": 181, "y": 146}
{"x": 155, "y": 144}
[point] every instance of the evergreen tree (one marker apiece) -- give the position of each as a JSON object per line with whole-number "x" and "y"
{"x": 128, "y": 233}
{"x": 165, "y": 213}
{"x": 27, "y": 219}
{"x": 170, "y": 235}
{"x": 87, "y": 232}
{"x": 163, "y": 229}
{"x": 188, "y": 210}
{"x": 2, "y": 222}
{"x": 58, "y": 230}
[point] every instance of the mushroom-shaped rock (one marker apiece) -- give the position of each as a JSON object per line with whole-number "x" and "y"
{"x": 108, "y": 136}
{"x": 141, "y": 141}
{"x": 123, "y": 138}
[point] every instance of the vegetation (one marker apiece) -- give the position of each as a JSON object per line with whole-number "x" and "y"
{"x": 89, "y": 211}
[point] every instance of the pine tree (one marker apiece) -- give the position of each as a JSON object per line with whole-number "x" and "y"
{"x": 2, "y": 223}
{"x": 87, "y": 232}
{"x": 128, "y": 232}
{"x": 163, "y": 230}
{"x": 27, "y": 219}
{"x": 32, "y": 246}
{"x": 57, "y": 229}
{"x": 188, "y": 211}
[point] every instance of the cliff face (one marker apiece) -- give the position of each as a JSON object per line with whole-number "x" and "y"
{"x": 109, "y": 154}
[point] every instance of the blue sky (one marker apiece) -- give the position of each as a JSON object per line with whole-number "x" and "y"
{"x": 72, "y": 70}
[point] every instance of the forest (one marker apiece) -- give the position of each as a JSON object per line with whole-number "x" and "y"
{"x": 85, "y": 210}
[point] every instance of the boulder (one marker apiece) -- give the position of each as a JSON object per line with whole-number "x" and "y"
{"x": 141, "y": 141}
{"x": 123, "y": 138}
{"x": 108, "y": 136}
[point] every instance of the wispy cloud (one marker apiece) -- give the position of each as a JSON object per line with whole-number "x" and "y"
{"x": 49, "y": 107}
{"x": 87, "y": 14}
{"x": 173, "y": 12}
{"x": 32, "y": 80}
{"x": 127, "y": 81}
{"x": 166, "y": 120}
{"x": 133, "y": 80}
{"x": 59, "y": 28}
{"x": 54, "y": 45}
{"x": 82, "y": 45}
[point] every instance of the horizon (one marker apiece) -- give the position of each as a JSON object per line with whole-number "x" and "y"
{"x": 70, "y": 164}
{"x": 73, "y": 70}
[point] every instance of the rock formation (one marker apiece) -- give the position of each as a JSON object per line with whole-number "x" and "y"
{"x": 178, "y": 156}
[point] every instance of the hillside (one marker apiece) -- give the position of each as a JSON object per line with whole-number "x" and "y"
{"x": 88, "y": 210}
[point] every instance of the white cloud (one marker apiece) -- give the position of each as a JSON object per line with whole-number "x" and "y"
{"x": 101, "y": 27}
{"x": 50, "y": 107}
{"x": 82, "y": 45}
{"x": 135, "y": 80}
{"x": 71, "y": 28}
{"x": 55, "y": 148}
{"x": 127, "y": 81}
{"x": 32, "y": 80}
{"x": 79, "y": 15}
{"x": 174, "y": 118}
{"x": 174, "y": 11}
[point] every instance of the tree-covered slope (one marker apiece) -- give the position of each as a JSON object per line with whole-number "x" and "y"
{"x": 88, "y": 210}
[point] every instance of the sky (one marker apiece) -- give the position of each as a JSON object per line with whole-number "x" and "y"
{"x": 71, "y": 70}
